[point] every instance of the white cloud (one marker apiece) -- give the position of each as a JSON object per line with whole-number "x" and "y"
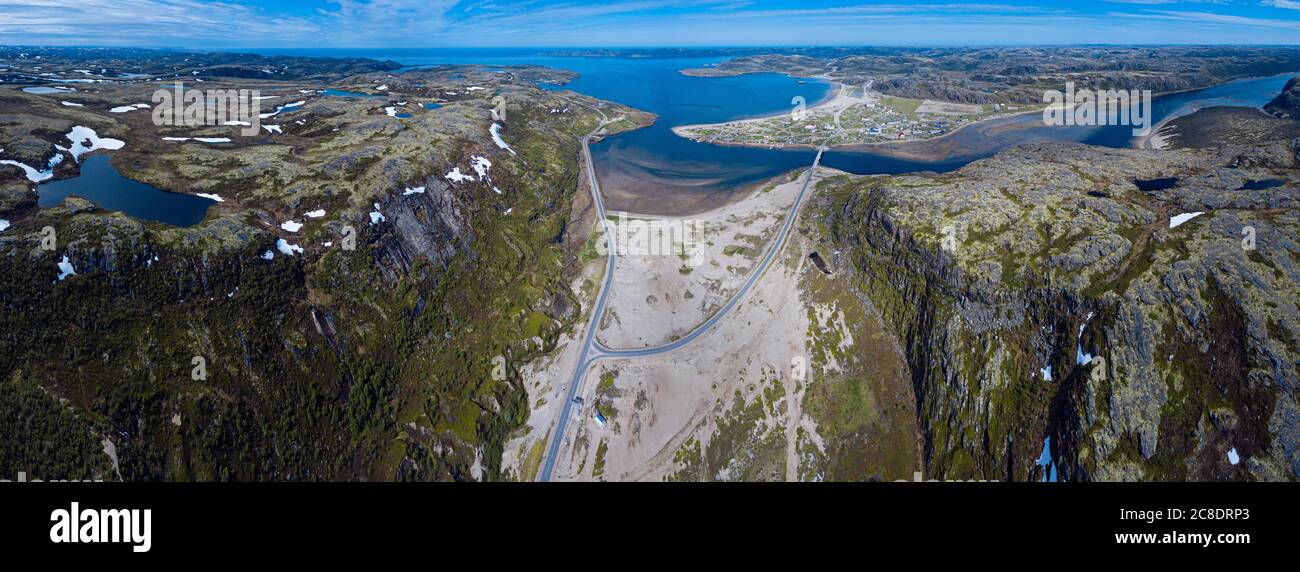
{"x": 420, "y": 23}
{"x": 142, "y": 22}
{"x": 1213, "y": 18}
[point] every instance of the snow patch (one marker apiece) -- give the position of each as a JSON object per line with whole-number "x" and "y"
{"x": 65, "y": 269}
{"x": 291, "y": 226}
{"x": 286, "y": 248}
{"x": 283, "y": 108}
{"x": 199, "y": 139}
{"x": 1233, "y": 457}
{"x": 1177, "y": 220}
{"x": 127, "y": 108}
{"x": 456, "y": 176}
{"x": 481, "y": 166}
{"x": 1081, "y": 357}
{"x": 34, "y": 175}
{"x": 496, "y": 137}
{"x": 211, "y": 197}
{"x": 315, "y": 214}
{"x": 377, "y": 217}
{"x": 85, "y": 140}
{"x": 415, "y": 191}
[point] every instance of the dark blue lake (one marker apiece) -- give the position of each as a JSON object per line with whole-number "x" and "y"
{"x": 101, "y": 184}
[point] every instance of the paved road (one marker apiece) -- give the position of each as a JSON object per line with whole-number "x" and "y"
{"x": 584, "y": 361}
{"x": 593, "y": 351}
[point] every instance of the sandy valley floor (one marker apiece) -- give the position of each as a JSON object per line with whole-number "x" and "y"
{"x": 789, "y": 386}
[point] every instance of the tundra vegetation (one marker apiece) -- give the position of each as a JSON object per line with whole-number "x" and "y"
{"x": 396, "y": 359}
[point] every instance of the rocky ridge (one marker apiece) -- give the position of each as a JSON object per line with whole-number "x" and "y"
{"x": 221, "y": 352}
{"x": 1048, "y": 292}
{"x": 1287, "y": 104}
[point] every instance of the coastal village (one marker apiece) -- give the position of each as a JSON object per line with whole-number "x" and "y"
{"x": 865, "y": 117}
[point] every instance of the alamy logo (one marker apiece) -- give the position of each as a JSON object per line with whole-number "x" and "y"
{"x": 90, "y": 526}
{"x": 1105, "y": 107}
{"x": 656, "y": 237}
{"x": 22, "y": 478}
{"x": 193, "y": 108}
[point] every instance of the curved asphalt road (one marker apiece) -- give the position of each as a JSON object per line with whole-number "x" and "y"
{"x": 593, "y": 351}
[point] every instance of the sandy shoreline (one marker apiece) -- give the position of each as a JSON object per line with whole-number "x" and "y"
{"x": 838, "y": 97}
{"x": 1155, "y": 139}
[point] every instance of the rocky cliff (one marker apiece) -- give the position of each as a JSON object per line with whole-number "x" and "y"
{"x": 1138, "y": 308}
{"x": 1287, "y": 104}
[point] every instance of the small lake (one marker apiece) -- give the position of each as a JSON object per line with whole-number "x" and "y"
{"x": 46, "y": 90}
{"x": 101, "y": 184}
{"x": 1161, "y": 184}
{"x": 346, "y": 93}
{"x": 1262, "y": 185}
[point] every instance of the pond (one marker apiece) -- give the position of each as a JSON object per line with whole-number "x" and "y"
{"x": 345, "y": 93}
{"x": 1261, "y": 185}
{"x": 101, "y": 184}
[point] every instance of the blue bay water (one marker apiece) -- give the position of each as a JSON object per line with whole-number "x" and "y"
{"x": 643, "y": 170}
{"x": 655, "y": 158}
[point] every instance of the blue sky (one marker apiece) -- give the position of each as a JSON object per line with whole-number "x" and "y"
{"x": 505, "y": 23}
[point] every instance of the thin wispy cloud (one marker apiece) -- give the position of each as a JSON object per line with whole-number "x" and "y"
{"x": 450, "y": 23}
{"x": 144, "y": 21}
{"x": 1210, "y": 18}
